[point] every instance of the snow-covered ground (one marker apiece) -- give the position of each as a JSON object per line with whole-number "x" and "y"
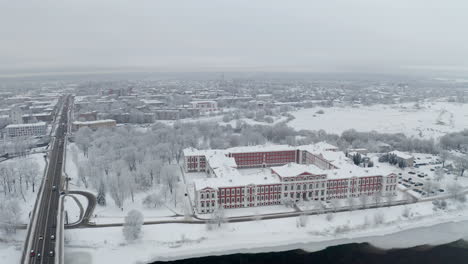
{"x": 431, "y": 120}
{"x": 252, "y": 122}
{"x": 177, "y": 241}
{"x": 111, "y": 213}
{"x": 12, "y": 246}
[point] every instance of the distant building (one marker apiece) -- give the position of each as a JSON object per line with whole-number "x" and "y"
{"x": 205, "y": 106}
{"x": 26, "y": 130}
{"x": 89, "y": 116}
{"x": 166, "y": 114}
{"x": 94, "y": 124}
{"x": 16, "y": 115}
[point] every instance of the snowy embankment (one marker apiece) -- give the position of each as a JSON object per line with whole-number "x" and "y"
{"x": 430, "y": 120}
{"x": 383, "y": 227}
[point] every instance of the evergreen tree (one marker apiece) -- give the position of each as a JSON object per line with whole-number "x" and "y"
{"x": 101, "y": 197}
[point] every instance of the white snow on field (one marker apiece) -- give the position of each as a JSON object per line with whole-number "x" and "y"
{"x": 11, "y": 247}
{"x": 178, "y": 241}
{"x": 431, "y": 120}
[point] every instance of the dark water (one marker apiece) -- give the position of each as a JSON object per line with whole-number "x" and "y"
{"x": 453, "y": 253}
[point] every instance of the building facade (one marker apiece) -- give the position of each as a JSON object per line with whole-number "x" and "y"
{"x": 205, "y": 106}
{"x": 295, "y": 174}
{"x": 26, "y": 130}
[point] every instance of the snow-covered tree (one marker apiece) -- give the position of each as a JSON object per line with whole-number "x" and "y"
{"x": 132, "y": 225}
{"x": 10, "y": 213}
{"x": 101, "y": 196}
{"x": 153, "y": 200}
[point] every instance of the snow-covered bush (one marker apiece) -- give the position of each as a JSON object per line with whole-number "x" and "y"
{"x": 153, "y": 200}
{"x": 10, "y": 212}
{"x": 329, "y": 217}
{"x": 406, "y": 212}
{"x": 302, "y": 220}
{"x": 132, "y": 225}
{"x": 379, "y": 218}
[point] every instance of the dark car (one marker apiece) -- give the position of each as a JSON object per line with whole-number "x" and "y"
{"x": 32, "y": 253}
{"x": 412, "y": 172}
{"x": 441, "y": 190}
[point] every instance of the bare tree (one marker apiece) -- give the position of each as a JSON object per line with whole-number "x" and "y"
{"x": 461, "y": 163}
{"x": 377, "y": 197}
{"x": 444, "y": 155}
{"x": 218, "y": 218}
{"x": 351, "y": 202}
{"x": 363, "y": 198}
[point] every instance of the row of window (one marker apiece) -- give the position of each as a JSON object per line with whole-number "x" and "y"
{"x": 250, "y": 199}
{"x": 309, "y": 194}
{"x": 304, "y": 186}
{"x": 262, "y": 189}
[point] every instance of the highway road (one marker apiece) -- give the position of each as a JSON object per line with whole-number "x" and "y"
{"x": 44, "y": 221}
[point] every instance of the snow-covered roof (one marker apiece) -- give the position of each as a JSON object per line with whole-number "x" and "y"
{"x": 26, "y": 125}
{"x": 294, "y": 169}
{"x": 94, "y": 122}
{"x": 240, "y": 180}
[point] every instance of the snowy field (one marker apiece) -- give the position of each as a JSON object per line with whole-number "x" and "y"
{"x": 176, "y": 241}
{"x": 431, "y": 120}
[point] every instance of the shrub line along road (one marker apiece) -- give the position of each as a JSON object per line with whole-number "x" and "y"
{"x": 237, "y": 219}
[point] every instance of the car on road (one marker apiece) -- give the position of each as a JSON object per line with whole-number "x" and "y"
{"x": 41, "y": 237}
{"x": 32, "y": 253}
{"x": 54, "y": 188}
{"x": 412, "y": 172}
{"x": 38, "y": 255}
{"x": 52, "y": 237}
{"x": 441, "y": 190}
{"x": 51, "y": 253}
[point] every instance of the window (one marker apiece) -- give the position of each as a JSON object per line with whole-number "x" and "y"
{"x": 238, "y": 191}
{"x": 285, "y": 194}
{"x": 285, "y": 187}
{"x": 292, "y": 187}
{"x": 202, "y": 204}
{"x": 228, "y": 191}
{"x": 222, "y": 200}
{"x": 212, "y": 203}
{"x": 310, "y": 186}
{"x": 212, "y": 195}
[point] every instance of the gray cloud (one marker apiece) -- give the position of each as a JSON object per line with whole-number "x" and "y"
{"x": 242, "y": 34}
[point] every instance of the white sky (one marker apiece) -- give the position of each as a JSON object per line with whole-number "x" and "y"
{"x": 324, "y": 35}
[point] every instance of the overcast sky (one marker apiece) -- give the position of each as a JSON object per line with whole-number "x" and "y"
{"x": 327, "y": 35}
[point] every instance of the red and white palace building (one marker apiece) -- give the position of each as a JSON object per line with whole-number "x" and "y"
{"x": 310, "y": 172}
